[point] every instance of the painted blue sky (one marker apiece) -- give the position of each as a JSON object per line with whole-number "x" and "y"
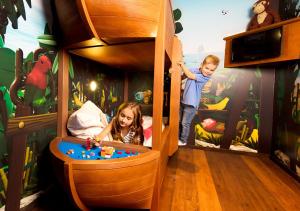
{"x": 25, "y": 37}
{"x": 204, "y": 25}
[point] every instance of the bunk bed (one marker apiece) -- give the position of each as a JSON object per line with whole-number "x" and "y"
{"x": 128, "y": 35}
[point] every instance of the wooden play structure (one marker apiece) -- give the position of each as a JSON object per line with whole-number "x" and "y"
{"x": 131, "y": 35}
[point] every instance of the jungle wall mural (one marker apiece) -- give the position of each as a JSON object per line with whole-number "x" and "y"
{"x": 286, "y": 145}
{"x": 28, "y": 88}
{"x": 95, "y": 82}
{"x": 286, "y": 134}
{"x": 205, "y": 24}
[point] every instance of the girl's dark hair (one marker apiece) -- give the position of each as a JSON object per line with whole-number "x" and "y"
{"x": 136, "y": 124}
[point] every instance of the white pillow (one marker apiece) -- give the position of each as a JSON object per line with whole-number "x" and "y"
{"x": 87, "y": 121}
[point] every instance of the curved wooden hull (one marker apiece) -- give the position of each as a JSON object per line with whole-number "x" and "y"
{"x": 126, "y": 18}
{"x": 122, "y": 183}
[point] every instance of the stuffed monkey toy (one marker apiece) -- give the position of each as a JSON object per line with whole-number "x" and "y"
{"x": 263, "y": 15}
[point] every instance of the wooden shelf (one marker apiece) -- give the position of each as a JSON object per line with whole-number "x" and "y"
{"x": 290, "y": 43}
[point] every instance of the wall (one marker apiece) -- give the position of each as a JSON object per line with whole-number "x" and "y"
{"x": 28, "y": 48}
{"x": 108, "y": 92}
{"x": 286, "y": 135}
{"x": 231, "y": 93}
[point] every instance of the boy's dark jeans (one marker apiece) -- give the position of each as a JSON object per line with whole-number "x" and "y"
{"x": 187, "y": 113}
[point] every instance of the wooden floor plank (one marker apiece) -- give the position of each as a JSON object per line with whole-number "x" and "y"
{"x": 198, "y": 180}
{"x": 237, "y": 186}
{"x": 166, "y": 196}
{"x": 207, "y": 196}
{"x": 288, "y": 196}
{"x": 185, "y": 198}
{"x": 284, "y": 177}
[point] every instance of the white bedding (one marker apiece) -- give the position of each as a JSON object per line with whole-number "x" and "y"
{"x": 87, "y": 121}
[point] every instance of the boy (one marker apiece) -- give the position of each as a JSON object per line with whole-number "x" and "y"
{"x": 196, "y": 78}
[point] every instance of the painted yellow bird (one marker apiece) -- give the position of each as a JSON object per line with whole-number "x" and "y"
{"x": 205, "y": 134}
{"x": 218, "y": 106}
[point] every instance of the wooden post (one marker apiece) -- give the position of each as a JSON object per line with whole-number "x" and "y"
{"x": 175, "y": 95}
{"x": 17, "y": 144}
{"x": 266, "y": 110}
{"x": 158, "y": 89}
{"x": 63, "y": 93}
{"x": 126, "y": 87}
{"x": 158, "y": 85}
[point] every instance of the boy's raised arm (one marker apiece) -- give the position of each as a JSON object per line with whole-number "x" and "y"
{"x": 186, "y": 71}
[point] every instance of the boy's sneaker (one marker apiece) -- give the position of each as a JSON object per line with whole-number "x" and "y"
{"x": 181, "y": 143}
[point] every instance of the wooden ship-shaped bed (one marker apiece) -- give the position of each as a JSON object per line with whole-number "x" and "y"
{"x": 128, "y": 35}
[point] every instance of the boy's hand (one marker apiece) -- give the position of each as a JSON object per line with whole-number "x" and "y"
{"x": 180, "y": 63}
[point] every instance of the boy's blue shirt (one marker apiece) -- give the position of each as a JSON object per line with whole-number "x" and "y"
{"x": 193, "y": 88}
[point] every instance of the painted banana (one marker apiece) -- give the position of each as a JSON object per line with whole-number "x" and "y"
{"x": 76, "y": 100}
{"x": 253, "y": 136}
{"x": 218, "y": 106}
{"x": 200, "y": 131}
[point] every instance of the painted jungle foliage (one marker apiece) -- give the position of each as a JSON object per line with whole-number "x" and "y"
{"x": 231, "y": 94}
{"x": 228, "y": 88}
{"x": 97, "y": 83}
{"x": 286, "y": 134}
{"x": 28, "y": 86}
{"x": 286, "y": 146}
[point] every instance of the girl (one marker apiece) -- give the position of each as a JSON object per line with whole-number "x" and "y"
{"x": 126, "y": 126}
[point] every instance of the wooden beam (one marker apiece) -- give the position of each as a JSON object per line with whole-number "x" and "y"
{"x": 175, "y": 95}
{"x": 63, "y": 93}
{"x": 158, "y": 90}
{"x": 266, "y": 109}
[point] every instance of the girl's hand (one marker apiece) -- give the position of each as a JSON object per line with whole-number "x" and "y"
{"x": 117, "y": 141}
{"x": 96, "y": 141}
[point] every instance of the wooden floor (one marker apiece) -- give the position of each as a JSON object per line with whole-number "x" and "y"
{"x": 210, "y": 180}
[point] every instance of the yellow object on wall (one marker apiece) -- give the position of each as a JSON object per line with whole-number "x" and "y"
{"x": 218, "y": 106}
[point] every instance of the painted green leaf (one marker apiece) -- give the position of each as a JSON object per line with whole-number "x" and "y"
{"x": 45, "y": 37}
{"x": 47, "y": 42}
{"x": 7, "y": 66}
{"x": 29, "y": 57}
{"x": 71, "y": 69}
{"x": 55, "y": 64}
{"x": 12, "y": 14}
{"x": 29, "y": 3}
{"x": 178, "y": 27}
{"x": 9, "y": 104}
{"x": 46, "y": 29}
{"x": 177, "y": 14}
{"x": 47, "y": 92}
{"x": 1, "y": 42}
{"x": 21, "y": 9}
{"x": 20, "y": 93}
{"x": 39, "y": 102}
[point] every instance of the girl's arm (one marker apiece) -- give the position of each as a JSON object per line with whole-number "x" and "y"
{"x": 106, "y": 131}
{"x": 187, "y": 72}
